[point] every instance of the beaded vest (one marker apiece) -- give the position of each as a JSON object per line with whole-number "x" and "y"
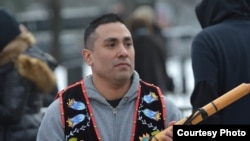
{"x": 79, "y": 122}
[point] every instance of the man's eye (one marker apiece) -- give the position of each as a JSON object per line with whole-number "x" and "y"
{"x": 128, "y": 44}
{"x": 111, "y": 45}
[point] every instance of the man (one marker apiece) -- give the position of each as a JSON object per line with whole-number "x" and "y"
{"x": 220, "y": 57}
{"x": 111, "y": 104}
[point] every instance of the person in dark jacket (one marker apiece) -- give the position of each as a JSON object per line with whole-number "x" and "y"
{"x": 150, "y": 59}
{"x": 48, "y": 58}
{"x": 25, "y": 77}
{"x": 220, "y": 57}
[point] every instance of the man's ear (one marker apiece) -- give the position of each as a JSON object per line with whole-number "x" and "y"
{"x": 87, "y": 56}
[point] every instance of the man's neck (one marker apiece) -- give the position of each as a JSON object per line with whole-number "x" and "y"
{"x": 109, "y": 90}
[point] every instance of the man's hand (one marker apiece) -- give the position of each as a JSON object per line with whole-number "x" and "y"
{"x": 166, "y": 134}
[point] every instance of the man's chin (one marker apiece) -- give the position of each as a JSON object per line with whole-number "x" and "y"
{"x": 124, "y": 75}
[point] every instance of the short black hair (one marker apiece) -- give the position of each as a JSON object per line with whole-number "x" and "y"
{"x": 103, "y": 19}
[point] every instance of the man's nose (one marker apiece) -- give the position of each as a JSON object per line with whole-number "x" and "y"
{"x": 123, "y": 51}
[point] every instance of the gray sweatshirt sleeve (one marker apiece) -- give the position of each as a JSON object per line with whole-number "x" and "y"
{"x": 51, "y": 126}
{"x": 173, "y": 112}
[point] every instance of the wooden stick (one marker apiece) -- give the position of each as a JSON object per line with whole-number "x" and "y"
{"x": 214, "y": 106}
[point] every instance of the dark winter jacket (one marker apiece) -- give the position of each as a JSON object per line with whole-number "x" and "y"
{"x": 25, "y": 78}
{"x": 220, "y": 57}
{"x": 150, "y": 62}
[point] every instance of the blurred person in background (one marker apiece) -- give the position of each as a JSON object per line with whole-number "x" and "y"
{"x": 25, "y": 78}
{"x": 148, "y": 13}
{"x": 220, "y": 57}
{"x": 48, "y": 58}
{"x": 150, "y": 49}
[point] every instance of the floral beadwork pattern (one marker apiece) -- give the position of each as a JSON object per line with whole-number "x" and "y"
{"x": 146, "y": 115}
{"x": 78, "y": 118}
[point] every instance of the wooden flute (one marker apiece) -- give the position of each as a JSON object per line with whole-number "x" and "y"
{"x": 211, "y": 108}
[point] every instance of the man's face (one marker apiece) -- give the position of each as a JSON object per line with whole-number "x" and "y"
{"x": 112, "y": 56}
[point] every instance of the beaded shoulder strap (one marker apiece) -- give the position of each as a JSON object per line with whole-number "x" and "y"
{"x": 151, "y": 112}
{"x": 76, "y": 114}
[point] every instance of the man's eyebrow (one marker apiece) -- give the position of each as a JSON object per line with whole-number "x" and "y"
{"x": 128, "y": 38}
{"x": 110, "y": 39}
